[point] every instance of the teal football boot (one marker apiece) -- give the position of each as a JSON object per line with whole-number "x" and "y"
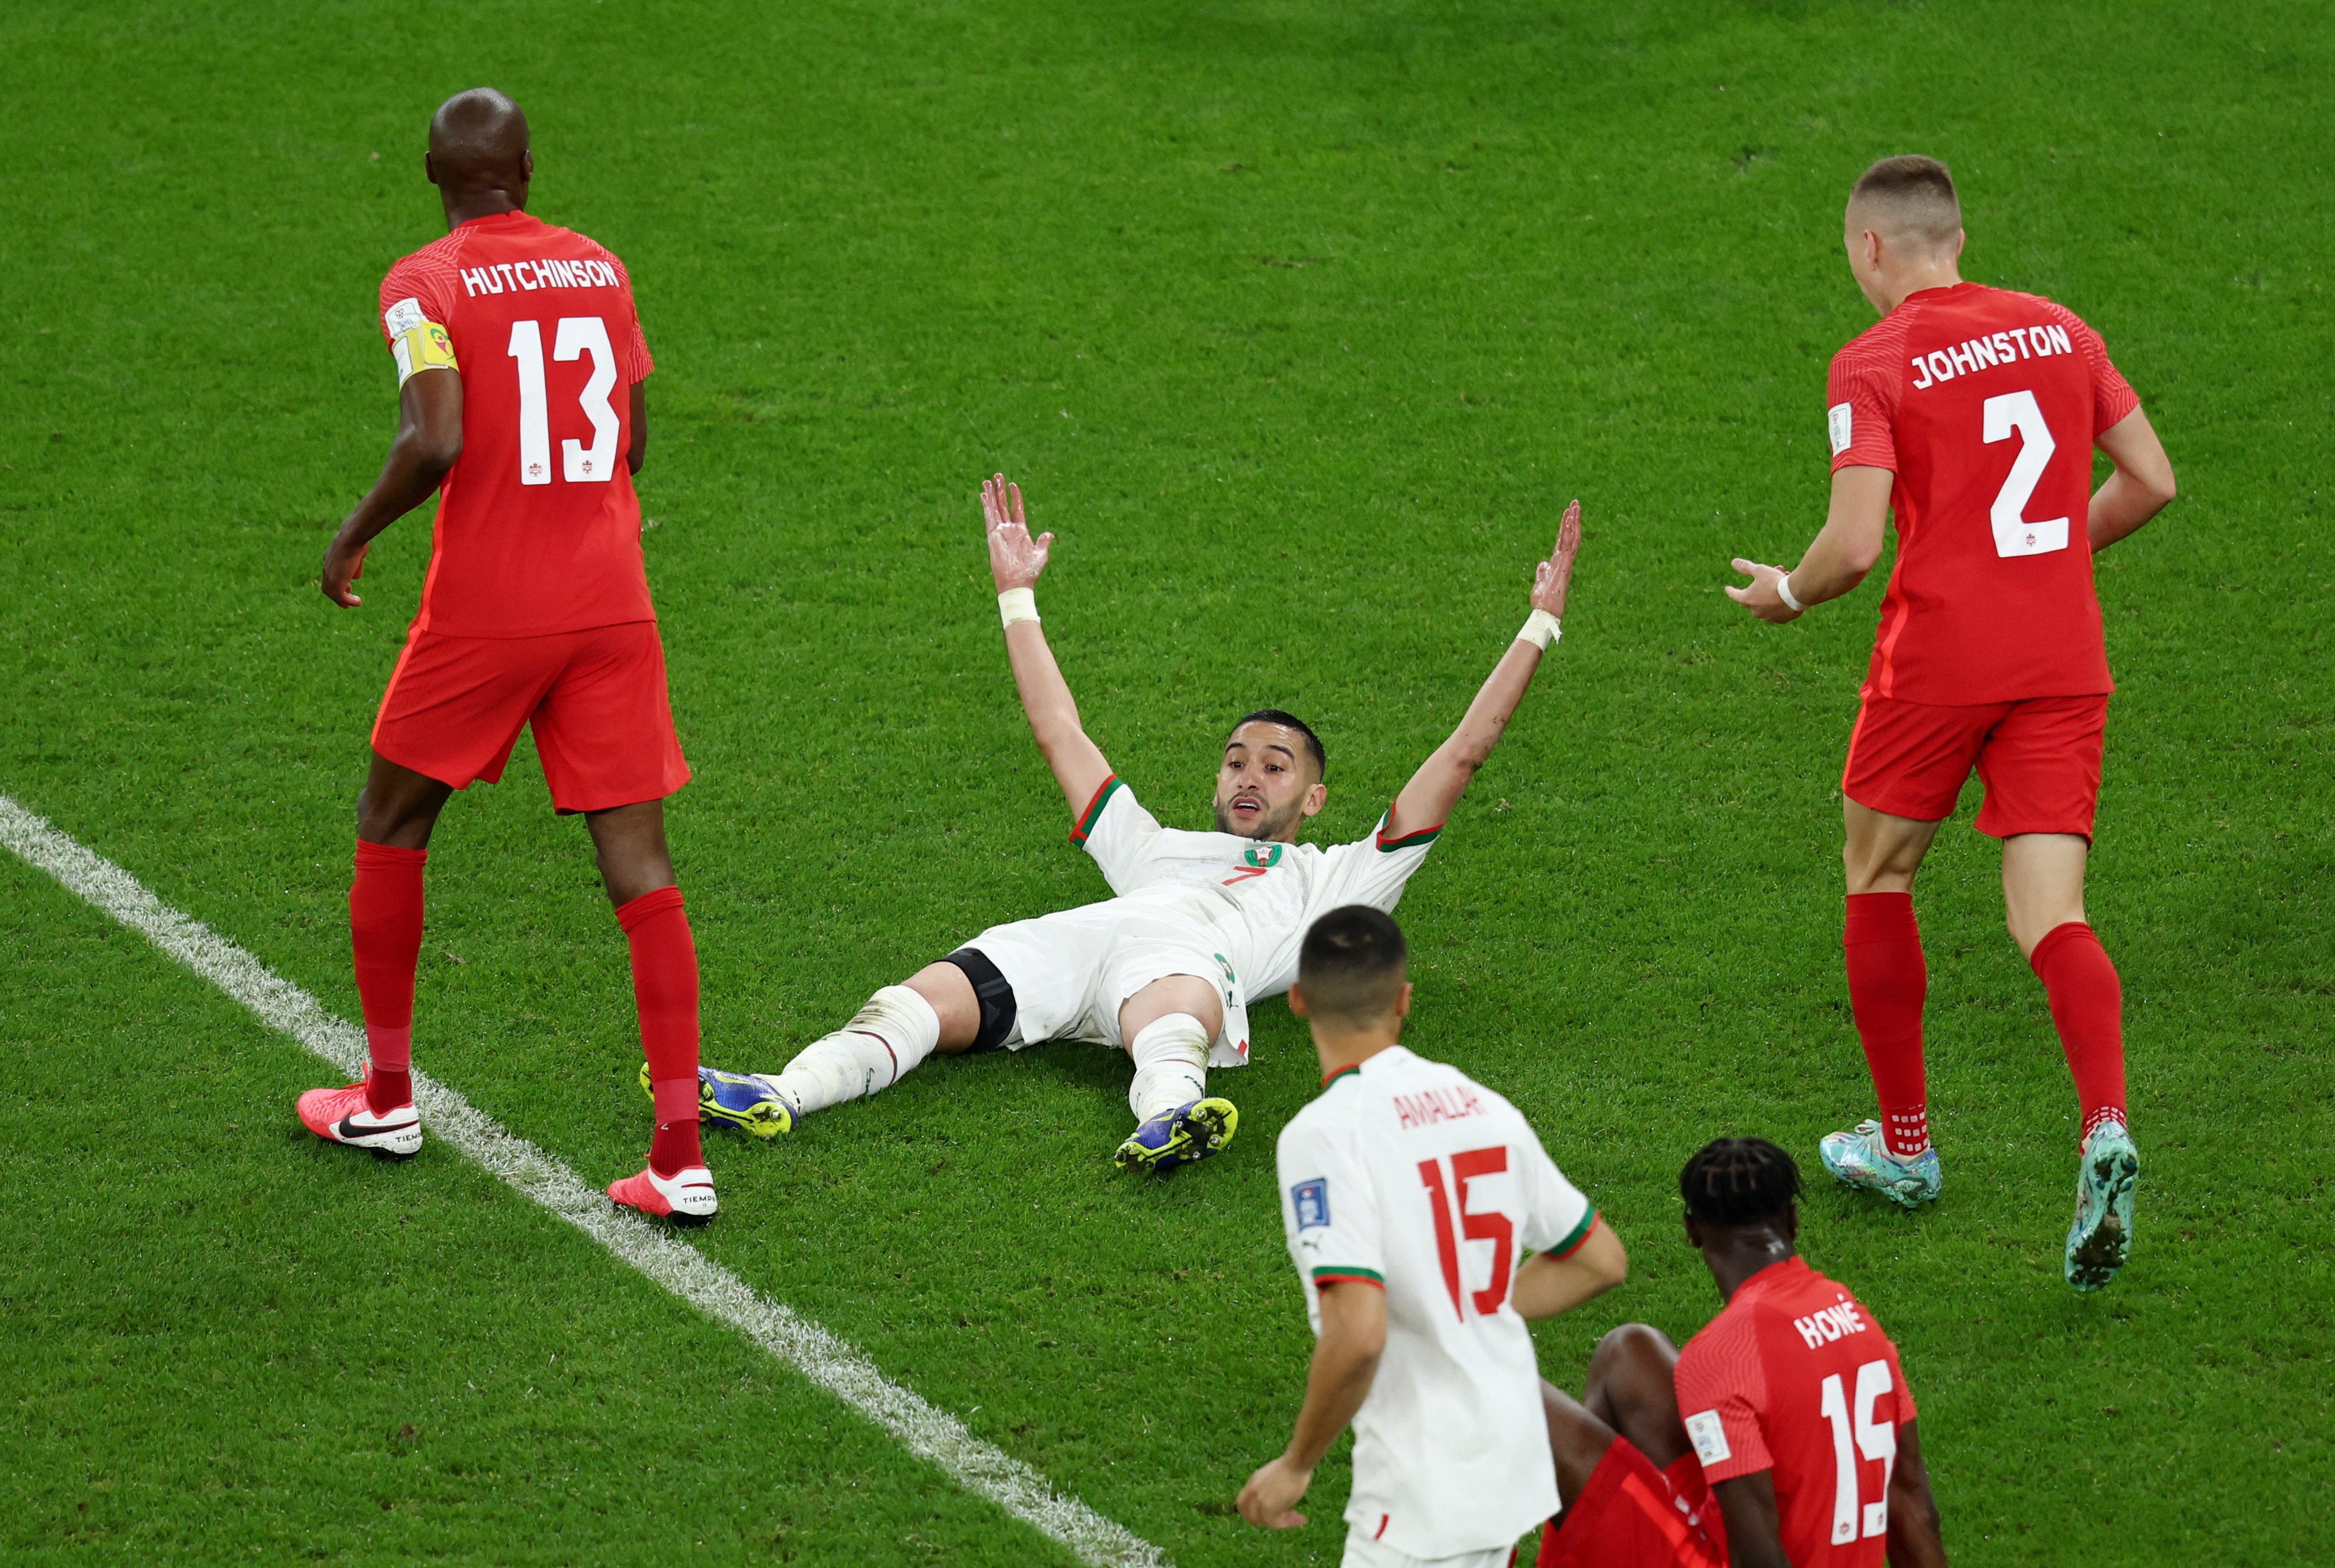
{"x": 1178, "y": 1136}
{"x": 2100, "y": 1239}
{"x": 1861, "y": 1158}
{"x": 739, "y": 1099}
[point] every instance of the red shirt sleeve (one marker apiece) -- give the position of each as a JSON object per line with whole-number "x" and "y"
{"x": 633, "y": 353}
{"x": 433, "y": 285}
{"x": 1862, "y": 394}
{"x": 1722, "y": 1393}
{"x": 2112, "y": 395}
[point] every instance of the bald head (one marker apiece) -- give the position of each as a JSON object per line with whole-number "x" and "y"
{"x": 1909, "y": 201}
{"x": 479, "y": 155}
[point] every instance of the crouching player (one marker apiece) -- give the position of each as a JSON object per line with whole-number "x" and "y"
{"x": 1798, "y": 1423}
{"x": 1408, "y": 1191}
{"x": 1203, "y": 923}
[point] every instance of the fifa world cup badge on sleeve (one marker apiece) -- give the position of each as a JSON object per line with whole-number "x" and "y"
{"x": 1710, "y": 1437}
{"x": 418, "y": 343}
{"x": 1312, "y": 1202}
{"x": 1841, "y": 422}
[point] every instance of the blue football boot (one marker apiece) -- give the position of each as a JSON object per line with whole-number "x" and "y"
{"x": 739, "y": 1099}
{"x": 1178, "y": 1136}
{"x": 1861, "y": 1158}
{"x": 2100, "y": 1240}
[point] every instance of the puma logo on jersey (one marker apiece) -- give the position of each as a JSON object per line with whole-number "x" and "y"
{"x": 1428, "y": 1107}
{"x": 1985, "y": 352}
{"x": 1822, "y": 1328}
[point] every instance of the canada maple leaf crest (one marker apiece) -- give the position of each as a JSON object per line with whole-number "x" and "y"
{"x": 535, "y": 467}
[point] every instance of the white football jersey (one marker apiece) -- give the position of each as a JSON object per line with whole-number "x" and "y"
{"x": 1407, "y": 1174}
{"x": 1263, "y": 896}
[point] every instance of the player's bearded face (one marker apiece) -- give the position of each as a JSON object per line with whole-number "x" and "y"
{"x": 1266, "y": 788}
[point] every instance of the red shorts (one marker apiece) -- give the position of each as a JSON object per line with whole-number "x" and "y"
{"x": 597, "y": 698}
{"x": 2039, "y": 757}
{"x": 1632, "y": 1516}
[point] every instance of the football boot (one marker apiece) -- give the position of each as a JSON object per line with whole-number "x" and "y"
{"x": 2100, "y": 1239}
{"x": 1178, "y": 1136}
{"x": 739, "y": 1099}
{"x": 344, "y": 1115}
{"x": 687, "y": 1195}
{"x": 1861, "y": 1158}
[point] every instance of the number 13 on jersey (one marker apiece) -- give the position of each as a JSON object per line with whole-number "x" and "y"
{"x": 577, "y": 336}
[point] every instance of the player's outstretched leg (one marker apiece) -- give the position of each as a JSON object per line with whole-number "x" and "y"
{"x": 1888, "y": 982}
{"x": 884, "y": 1041}
{"x": 1178, "y": 1121}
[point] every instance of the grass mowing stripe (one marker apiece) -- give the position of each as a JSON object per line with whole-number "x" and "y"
{"x": 924, "y": 1431}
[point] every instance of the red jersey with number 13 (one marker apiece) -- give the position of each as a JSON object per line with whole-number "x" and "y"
{"x": 1795, "y": 1378}
{"x": 1985, "y": 404}
{"x": 539, "y": 529}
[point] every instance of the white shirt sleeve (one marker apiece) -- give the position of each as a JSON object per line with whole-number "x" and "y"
{"x": 1557, "y": 1218}
{"x": 1120, "y": 834}
{"x": 1329, "y": 1210}
{"x": 1370, "y": 871}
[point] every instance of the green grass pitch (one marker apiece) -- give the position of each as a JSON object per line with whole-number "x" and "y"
{"x": 1300, "y": 320}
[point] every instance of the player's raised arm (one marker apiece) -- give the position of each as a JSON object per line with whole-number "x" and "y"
{"x": 1016, "y": 561}
{"x": 423, "y": 451}
{"x": 1443, "y": 778}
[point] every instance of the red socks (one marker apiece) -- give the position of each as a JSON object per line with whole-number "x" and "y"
{"x": 2088, "y": 1006}
{"x": 664, "y": 991}
{"x": 1887, "y": 983}
{"x": 385, "y": 933}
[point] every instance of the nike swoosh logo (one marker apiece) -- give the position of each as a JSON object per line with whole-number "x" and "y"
{"x": 349, "y": 1128}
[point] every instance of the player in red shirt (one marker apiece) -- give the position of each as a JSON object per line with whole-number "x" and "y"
{"x": 1972, "y": 412}
{"x": 1797, "y": 1420}
{"x": 521, "y": 370}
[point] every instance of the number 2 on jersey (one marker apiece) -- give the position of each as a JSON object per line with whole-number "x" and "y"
{"x": 1452, "y": 1217}
{"x": 577, "y": 336}
{"x": 2018, "y": 414}
{"x": 1874, "y": 1440}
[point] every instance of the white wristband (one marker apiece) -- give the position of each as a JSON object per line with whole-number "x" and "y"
{"x": 1784, "y": 592}
{"x": 1017, "y": 604}
{"x": 1540, "y": 630}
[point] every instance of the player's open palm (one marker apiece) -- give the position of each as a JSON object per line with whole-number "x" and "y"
{"x": 1552, "y": 579}
{"x": 1015, "y": 559}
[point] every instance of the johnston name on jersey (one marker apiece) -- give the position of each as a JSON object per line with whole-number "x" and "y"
{"x": 1247, "y": 905}
{"x": 1407, "y": 1174}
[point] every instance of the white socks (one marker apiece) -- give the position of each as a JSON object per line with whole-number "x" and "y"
{"x": 1171, "y": 1065}
{"x": 896, "y": 1030}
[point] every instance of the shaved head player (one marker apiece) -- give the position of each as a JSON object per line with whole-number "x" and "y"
{"x": 521, "y": 402}
{"x": 1202, "y": 923}
{"x": 1972, "y": 412}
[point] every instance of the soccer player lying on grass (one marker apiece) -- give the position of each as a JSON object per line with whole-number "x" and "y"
{"x": 510, "y": 336}
{"x": 1202, "y": 923}
{"x": 1972, "y": 412}
{"x": 1407, "y": 1194}
{"x": 1798, "y": 1421}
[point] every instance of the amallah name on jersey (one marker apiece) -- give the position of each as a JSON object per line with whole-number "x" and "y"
{"x": 1985, "y": 352}
{"x": 1431, "y": 1106}
{"x": 1820, "y": 1328}
{"x": 502, "y": 277}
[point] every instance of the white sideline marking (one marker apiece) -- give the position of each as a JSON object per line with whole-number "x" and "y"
{"x": 924, "y": 1429}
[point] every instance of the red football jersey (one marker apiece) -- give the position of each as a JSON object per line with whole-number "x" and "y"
{"x": 539, "y": 529}
{"x": 1985, "y": 404}
{"x": 1795, "y": 1378}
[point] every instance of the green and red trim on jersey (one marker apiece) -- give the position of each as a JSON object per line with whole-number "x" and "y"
{"x": 1088, "y": 818}
{"x": 1573, "y": 1244}
{"x": 1419, "y": 839}
{"x": 1334, "y": 1274}
{"x": 1341, "y": 1072}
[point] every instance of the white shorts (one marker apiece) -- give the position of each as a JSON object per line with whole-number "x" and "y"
{"x": 1072, "y": 970}
{"x": 1362, "y": 1552}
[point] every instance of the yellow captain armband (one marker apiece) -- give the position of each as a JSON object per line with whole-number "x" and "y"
{"x": 418, "y": 343}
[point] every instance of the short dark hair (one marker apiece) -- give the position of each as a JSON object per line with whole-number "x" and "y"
{"x": 1289, "y": 722}
{"x": 1735, "y": 1181}
{"x": 1916, "y": 194}
{"x": 1351, "y": 964}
